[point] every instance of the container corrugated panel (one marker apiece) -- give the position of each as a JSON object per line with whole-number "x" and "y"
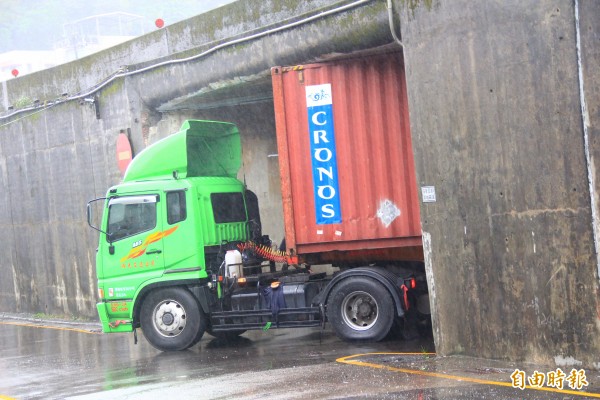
{"x": 348, "y": 184}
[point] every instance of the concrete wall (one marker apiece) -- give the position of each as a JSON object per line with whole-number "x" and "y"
{"x": 497, "y": 129}
{"x": 52, "y": 164}
{"x": 589, "y": 13}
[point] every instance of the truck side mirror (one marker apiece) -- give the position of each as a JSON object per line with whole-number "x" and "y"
{"x": 89, "y": 216}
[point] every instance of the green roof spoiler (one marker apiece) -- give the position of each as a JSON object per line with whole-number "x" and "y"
{"x": 200, "y": 148}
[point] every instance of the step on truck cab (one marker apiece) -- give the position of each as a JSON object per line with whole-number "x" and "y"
{"x": 181, "y": 253}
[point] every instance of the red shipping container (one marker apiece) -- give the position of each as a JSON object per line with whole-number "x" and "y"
{"x": 347, "y": 170}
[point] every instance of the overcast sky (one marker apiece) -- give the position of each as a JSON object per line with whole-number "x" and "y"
{"x": 41, "y": 24}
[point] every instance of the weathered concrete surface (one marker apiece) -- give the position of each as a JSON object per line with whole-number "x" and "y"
{"x": 497, "y": 129}
{"x": 52, "y": 164}
{"x": 590, "y": 92}
{"x": 175, "y": 41}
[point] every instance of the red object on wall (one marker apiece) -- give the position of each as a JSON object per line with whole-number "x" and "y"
{"x": 159, "y": 23}
{"x": 375, "y": 166}
{"x": 124, "y": 155}
{"x": 15, "y": 72}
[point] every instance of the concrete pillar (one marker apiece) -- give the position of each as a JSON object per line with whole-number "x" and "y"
{"x": 497, "y": 129}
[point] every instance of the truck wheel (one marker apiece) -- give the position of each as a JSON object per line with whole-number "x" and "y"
{"x": 360, "y": 308}
{"x": 171, "y": 319}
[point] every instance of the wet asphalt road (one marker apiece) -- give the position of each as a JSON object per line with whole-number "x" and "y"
{"x": 75, "y": 361}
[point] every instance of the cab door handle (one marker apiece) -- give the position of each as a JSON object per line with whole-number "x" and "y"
{"x": 154, "y": 251}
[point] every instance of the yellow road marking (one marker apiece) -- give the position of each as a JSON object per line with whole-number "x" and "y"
{"x": 2, "y": 397}
{"x": 49, "y": 327}
{"x": 347, "y": 360}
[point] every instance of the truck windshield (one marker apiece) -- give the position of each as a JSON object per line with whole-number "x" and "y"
{"x": 128, "y": 216}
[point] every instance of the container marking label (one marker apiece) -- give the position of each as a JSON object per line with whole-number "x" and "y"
{"x": 323, "y": 154}
{"x": 428, "y": 193}
{"x": 388, "y": 212}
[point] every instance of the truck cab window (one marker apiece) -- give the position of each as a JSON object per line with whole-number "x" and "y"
{"x": 228, "y": 207}
{"x": 176, "y": 207}
{"x": 130, "y": 216}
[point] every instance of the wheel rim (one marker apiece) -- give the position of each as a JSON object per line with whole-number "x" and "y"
{"x": 169, "y": 318}
{"x": 359, "y": 310}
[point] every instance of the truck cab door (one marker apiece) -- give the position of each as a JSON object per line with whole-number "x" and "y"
{"x": 133, "y": 250}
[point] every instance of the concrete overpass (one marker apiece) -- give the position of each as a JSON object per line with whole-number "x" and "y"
{"x": 504, "y": 112}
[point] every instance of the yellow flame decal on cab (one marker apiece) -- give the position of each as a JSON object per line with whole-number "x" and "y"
{"x": 153, "y": 237}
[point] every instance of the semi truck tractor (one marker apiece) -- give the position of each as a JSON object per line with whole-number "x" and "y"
{"x": 181, "y": 250}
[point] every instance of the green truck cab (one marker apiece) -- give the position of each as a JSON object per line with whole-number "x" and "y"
{"x": 163, "y": 226}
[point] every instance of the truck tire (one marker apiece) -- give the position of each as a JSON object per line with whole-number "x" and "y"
{"x": 360, "y": 308}
{"x": 171, "y": 319}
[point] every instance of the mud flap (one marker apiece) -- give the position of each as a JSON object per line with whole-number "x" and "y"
{"x": 111, "y": 325}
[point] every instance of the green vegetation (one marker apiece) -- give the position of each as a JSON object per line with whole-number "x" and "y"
{"x": 426, "y": 353}
{"x": 413, "y": 5}
{"x": 44, "y": 316}
{"x": 23, "y": 102}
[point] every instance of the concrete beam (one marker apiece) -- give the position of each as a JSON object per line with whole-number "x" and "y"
{"x": 359, "y": 27}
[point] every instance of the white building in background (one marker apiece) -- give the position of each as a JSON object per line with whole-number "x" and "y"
{"x": 80, "y": 38}
{"x": 26, "y": 62}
